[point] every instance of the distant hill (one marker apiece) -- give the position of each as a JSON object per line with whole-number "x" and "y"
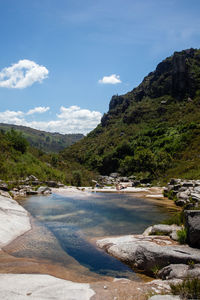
{"x": 153, "y": 131}
{"x": 46, "y": 141}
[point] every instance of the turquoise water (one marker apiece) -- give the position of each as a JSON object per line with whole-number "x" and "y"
{"x": 77, "y": 218}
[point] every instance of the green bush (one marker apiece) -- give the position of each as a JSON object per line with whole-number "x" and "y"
{"x": 76, "y": 178}
{"x": 188, "y": 289}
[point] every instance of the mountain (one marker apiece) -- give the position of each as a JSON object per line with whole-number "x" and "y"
{"x": 153, "y": 131}
{"x": 19, "y": 160}
{"x": 46, "y": 141}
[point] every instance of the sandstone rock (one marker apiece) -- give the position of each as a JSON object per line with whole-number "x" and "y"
{"x": 181, "y": 271}
{"x": 192, "y": 218}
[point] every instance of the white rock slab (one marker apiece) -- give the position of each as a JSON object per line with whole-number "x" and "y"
{"x": 42, "y": 287}
{"x": 14, "y": 220}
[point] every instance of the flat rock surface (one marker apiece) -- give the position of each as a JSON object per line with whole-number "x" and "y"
{"x": 42, "y": 287}
{"x": 14, "y": 220}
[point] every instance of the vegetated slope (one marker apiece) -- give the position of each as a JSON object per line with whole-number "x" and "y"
{"x": 154, "y": 130}
{"x": 46, "y": 141}
{"x": 19, "y": 160}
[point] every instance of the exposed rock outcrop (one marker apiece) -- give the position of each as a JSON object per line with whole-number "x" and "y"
{"x": 192, "y": 223}
{"x": 14, "y": 220}
{"x": 145, "y": 253}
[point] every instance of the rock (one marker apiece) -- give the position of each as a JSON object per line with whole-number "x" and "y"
{"x": 180, "y": 271}
{"x": 195, "y": 197}
{"x": 14, "y": 221}
{"x": 44, "y": 190}
{"x": 164, "y": 297}
{"x": 192, "y": 223}
{"x": 31, "y": 192}
{"x": 165, "y": 229}
{"x": 5, "y": 194}
{"x": 162, "y": 229}
{"x": 31, "y": 178}
{"x": 144, "y": 253}
{"x": 4, "y": 186}
{"x": 42, "y": 287}
{"x": 180, "y": 202}
{"x": 114, "y": 175}
{"x": 183, "y": 195}
{"x": 52, "y": 184}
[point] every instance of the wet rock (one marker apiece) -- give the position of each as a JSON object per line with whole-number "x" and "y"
{"x": 31, "y": 192}
{"x": 192, "y": 223}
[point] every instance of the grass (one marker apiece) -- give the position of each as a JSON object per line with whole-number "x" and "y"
{"x": 188, "y": 289}
{"x": 177, "y": 219}
{"x": 182, "y": 236}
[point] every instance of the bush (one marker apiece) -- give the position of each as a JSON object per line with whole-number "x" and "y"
{"x": 17, "y": 140}
{"x": 76, "y": 178}
{"x": 188, "y": 289}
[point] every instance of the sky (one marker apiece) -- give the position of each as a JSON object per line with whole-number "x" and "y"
{"x": 62, "y": 60}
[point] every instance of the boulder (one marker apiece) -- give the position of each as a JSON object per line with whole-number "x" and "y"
{"x": 162, "y": 229}
{"x": 52, "y": 184}
{"x": 192, "y": 223}
{"x": 31, "y": 192}
{"x": 180, "y": 271}
{"x": 144, "y": 253}
{"x": 31, "y": 178}
{"x": 44, "y": 190}
{"x": 4, "y": 186}
{"x": 195, "y": 197}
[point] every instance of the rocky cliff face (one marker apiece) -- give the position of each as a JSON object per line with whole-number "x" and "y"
{"x": 178, "y": 76}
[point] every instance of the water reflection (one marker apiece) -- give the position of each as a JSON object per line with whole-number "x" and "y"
{"x": 76, "y": 218}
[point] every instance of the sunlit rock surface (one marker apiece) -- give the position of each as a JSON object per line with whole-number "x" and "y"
{"x": 14, "y": 220}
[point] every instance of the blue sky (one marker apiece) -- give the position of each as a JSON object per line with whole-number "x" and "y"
{"x": 61, "y": 61}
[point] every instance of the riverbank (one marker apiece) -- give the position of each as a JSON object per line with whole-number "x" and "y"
{"x": 104, "y": 287}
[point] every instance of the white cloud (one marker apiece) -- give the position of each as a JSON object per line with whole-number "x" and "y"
{"x": 112, "y": 79}
{"x": 39, "y": 110}
{"x": 71, "y": 119}
{"x": 22, "y": 74}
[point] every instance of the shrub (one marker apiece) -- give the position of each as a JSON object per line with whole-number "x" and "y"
{"x": 188, "y": 289}
{"x": 76, "y": 178}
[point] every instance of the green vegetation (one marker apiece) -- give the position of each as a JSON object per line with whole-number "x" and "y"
{"x": 46, "y": 141}
{"x": 153, "y": 132}
{"x": 177, "y": 219}
{"x": 189, "y": 289}
{"x": 18, "y": 160}
{"x": 182, "y": 236}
